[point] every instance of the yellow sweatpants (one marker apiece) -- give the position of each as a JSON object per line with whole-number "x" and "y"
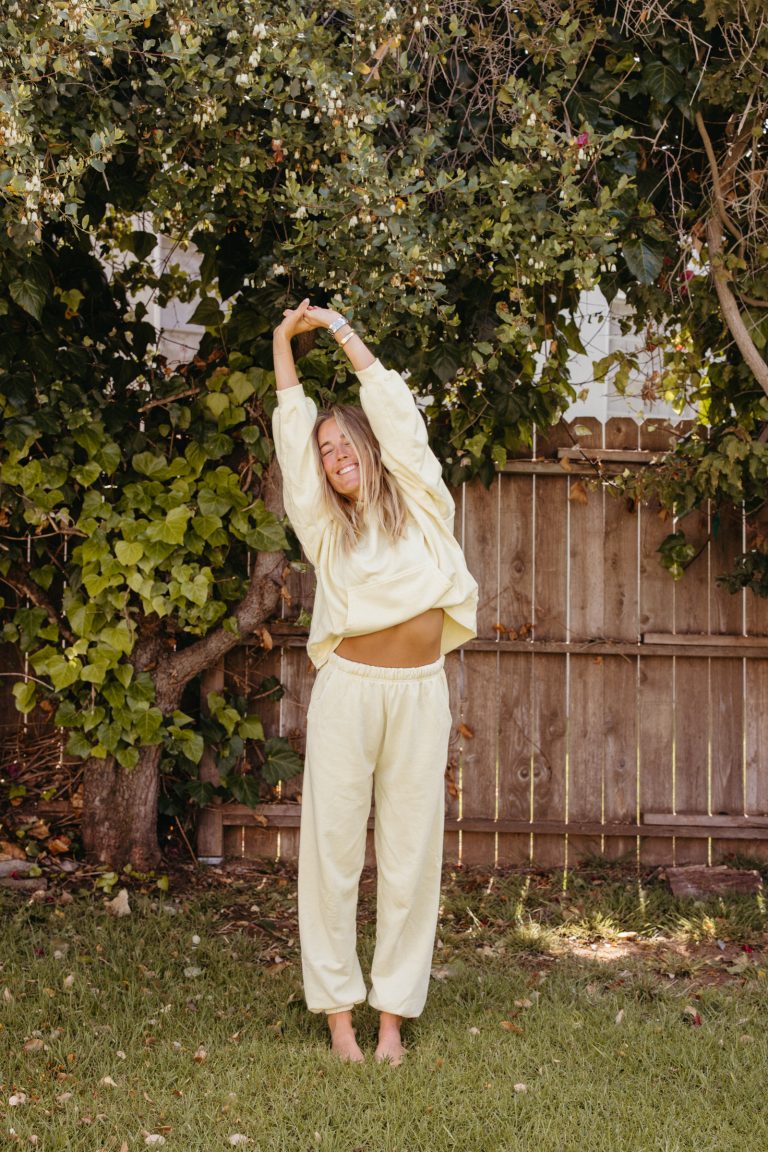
{"x": 383, "y": 731}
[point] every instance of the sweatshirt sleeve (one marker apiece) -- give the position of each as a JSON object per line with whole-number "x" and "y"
{"x": 293, "y": 425}
{"x": 402, "y": 435}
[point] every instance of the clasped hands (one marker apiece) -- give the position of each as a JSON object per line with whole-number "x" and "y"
{"x": 305, "y": 318}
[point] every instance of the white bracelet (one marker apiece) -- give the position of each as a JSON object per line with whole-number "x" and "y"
{"x": 334, "y": 327}
{"x": 348, "y": 336}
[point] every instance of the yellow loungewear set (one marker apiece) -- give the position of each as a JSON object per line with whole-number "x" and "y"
{"x": 371, "y": 728}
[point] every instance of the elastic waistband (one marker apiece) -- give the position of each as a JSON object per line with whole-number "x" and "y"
{"x": 373, "y": 672}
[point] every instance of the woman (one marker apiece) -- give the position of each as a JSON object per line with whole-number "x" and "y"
{"x": 366, "y": 498}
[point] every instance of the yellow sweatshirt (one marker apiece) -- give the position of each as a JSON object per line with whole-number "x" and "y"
{"x": 378, "y": 583}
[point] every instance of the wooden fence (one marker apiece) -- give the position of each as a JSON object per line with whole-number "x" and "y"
{"x": 603, "y": 709}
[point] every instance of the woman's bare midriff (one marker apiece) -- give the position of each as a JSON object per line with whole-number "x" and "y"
{"x": 408, "y": 645}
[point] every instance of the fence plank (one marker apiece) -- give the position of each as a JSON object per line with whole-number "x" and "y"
{"x": 692, "y": 590}
{"x": 621, "y": 751}
{"x": 692, "y": 736}
{"x": 727, "y": 742}
{"x": 656, "y": 710}
{"x": 551, "y": 544}
{"x": 516, "y": 553}
{"x": 549, "y": 762}
{"x": 727, "y": 610}
{"x": 756, "y": 750}
{"x": 481, "y": 541}
{"x": 517, "y": 752}
{"x": 586, "y": 749}
{"x": 479, "y": 753}
{"x": 515, "y": 738}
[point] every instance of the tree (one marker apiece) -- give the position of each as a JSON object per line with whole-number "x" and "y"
{"x": 452, "y": 177}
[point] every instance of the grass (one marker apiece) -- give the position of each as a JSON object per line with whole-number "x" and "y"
{"x": 561, "y": 1017}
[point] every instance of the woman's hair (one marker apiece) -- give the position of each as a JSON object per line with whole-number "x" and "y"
{"x": 379, "y": 497}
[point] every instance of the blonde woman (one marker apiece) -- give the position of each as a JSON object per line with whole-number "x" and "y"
{"x": 366, "y": 498}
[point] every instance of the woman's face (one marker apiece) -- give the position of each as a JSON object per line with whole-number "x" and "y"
{"x": 339, "y": 458}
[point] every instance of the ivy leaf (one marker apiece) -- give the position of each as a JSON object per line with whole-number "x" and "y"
{"x": 280, "y": 761}
{"x": 25, "y": 693}
{"x": 643, "y": 261}
{"x": 207, "y": 314}
{"x": 141, "y": 243}
{"x": 129, "y": 553}
{"x": 251, "y": 728}
{"x": 661, "y": 81}
{"x": 31, "y": 291}
{"x": 245, "y": 789}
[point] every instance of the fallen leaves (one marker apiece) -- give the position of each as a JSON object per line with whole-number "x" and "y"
{"x": 120, "y": 906}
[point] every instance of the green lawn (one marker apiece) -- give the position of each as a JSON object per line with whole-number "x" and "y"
{"x": 547, "y": 1027}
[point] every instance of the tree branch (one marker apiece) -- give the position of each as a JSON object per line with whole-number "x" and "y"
{"x": 256, "y": 607}
{"x": 22, "y": 582}
{"x": 717, "y": 189}
{"x": 730, "y": 307}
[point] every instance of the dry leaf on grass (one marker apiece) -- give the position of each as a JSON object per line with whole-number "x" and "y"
{"x": 120, "y": 906}
{"x": 510, "y": 1026}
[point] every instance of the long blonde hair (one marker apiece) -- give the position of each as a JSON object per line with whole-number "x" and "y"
{"x": 379, "y": 500}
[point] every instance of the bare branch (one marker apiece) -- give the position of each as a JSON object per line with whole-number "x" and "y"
{"x": 730, "y": 306}
{"x": 21, "y": 580}
{"x": 717, "y": 189}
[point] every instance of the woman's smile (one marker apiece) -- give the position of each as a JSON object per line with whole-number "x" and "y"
{"x": 340, "y": 462}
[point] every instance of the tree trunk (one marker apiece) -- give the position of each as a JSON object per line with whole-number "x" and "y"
{"x": 119, "y": 823}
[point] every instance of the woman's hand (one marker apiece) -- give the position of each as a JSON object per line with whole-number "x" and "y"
{"x": 304, "y": 319}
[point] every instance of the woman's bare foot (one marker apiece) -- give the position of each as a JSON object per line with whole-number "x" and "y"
{"x": 343, "y": 1042}
{"x": 390, "y": 1046}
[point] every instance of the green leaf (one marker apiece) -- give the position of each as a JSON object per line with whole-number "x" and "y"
{"x": 78, "y": 745}
{"x": 148, "y": 726}
{"x": 251, "y": 728}
{"x": 280, "y": 761}
{"x": 200, "y": 792}
{"x": 643, "y": 261}
{"x": 129, "y": 552}
{"x": 24, "y": 694}
{"x": 661, "y": 81}
{"x": 141, "y": 243}
{"x": 216, "y": 403}
{"x": 30, "y": 294}
{"x": 172, "y": 531}
{"x": 149, "y": 464}
{"x": 126, "y": 756}
{"x": 190, "y": 744}
{"x": 245, "y": 789}
{"x": 240, "y": 386}
{"x": 207, "y": 314}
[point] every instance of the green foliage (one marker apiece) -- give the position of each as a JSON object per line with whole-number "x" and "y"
{"x": 452, "y": 184}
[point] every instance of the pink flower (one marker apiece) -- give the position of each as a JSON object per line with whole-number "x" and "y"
{"x": 582, "y": 139}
